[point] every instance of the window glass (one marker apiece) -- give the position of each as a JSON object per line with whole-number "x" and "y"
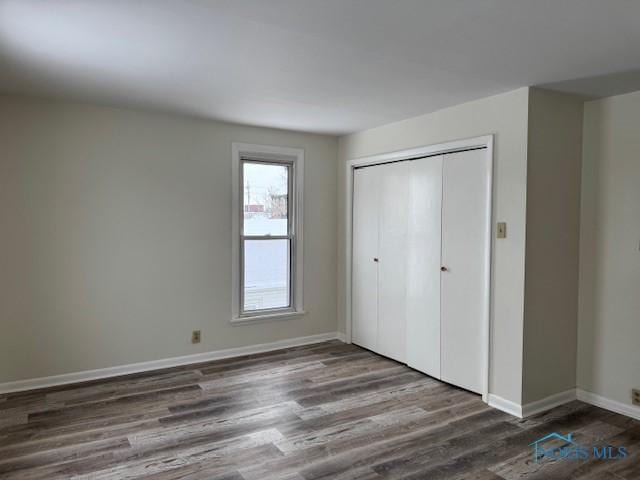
{"x": 266, "y": 274}
{"x": 265, "y": 199}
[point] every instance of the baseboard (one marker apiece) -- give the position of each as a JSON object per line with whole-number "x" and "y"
{"x": 342, "y": 337}
{"x": 608, "y": 404}
{"x": 75, "y": 377}
{"x": 548, "y": 403}
{"x": 505, "y": 405}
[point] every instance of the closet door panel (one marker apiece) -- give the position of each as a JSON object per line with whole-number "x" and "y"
{"x": 392, "y": 268}
{"x": 423, "y": 265}
{"x": 364, "y": 306}
{"x": 464, "y": 252}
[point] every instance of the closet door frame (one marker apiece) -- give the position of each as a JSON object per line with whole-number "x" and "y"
{"x": 485, "y": 141}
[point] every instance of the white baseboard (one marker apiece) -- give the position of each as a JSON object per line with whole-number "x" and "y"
{"x": 552, "y": 401}
{"x": 523, "y": 411}
{"x": 87, "y": 375}
{"x": 608, "y": 404}
{"x": 505, "y": 405}
{"x": 342, "y": 337}
{"x": 548, "y": 403}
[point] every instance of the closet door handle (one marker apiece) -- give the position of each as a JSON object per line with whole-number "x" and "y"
{"x": 375, "y": 259}
{"x": 444, "y": 269}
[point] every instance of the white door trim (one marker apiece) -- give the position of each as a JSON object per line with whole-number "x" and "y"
{"x": 485, "y": 141}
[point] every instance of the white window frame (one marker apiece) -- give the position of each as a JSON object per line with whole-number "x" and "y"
{"x": 270, "y": 154}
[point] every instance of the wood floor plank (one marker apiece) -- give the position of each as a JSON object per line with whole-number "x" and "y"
{"x": 36, "y": 459}
{"x": 36, "y": 431}
{"x": 325, "y": 411}
{"x": 127, "y": 387}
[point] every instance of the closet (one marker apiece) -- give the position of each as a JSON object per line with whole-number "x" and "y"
{"x": 420, "y": 263}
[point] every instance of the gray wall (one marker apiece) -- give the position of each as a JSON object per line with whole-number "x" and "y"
{"x": 505, "y": 116}
{"x": 116, "y": 237}
{"x": 609, "y": 311}
{"x": 551, "y": 268}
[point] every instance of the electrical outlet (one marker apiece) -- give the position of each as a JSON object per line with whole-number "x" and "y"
{"x": 635, "y": 394}
{"x": 195, "y": 336}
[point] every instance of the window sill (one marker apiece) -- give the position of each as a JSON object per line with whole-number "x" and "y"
{"x": 266, "y": 317}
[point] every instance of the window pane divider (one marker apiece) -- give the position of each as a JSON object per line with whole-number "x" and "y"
{"x": 267, "y": 237}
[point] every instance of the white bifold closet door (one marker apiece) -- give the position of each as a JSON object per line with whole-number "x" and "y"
{"x": 423, "y": 264}
{"x": 392, "y": 265}
{"x": 379, "y": 262}
{"x": 364, "y": 291}
{"x": 420, "y": 263}
{"x": 465, "y": 256}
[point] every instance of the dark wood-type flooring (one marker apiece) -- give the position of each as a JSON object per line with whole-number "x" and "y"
{"x": 324, "y": 411}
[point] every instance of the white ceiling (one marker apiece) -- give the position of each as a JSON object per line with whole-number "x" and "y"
{"x": 327, "y": 66}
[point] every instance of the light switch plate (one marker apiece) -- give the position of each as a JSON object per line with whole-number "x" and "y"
{"x": 502, "y": 230}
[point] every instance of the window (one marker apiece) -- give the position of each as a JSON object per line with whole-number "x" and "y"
{"x": 267, "y": 236}
{"x": 267, "y": 232}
